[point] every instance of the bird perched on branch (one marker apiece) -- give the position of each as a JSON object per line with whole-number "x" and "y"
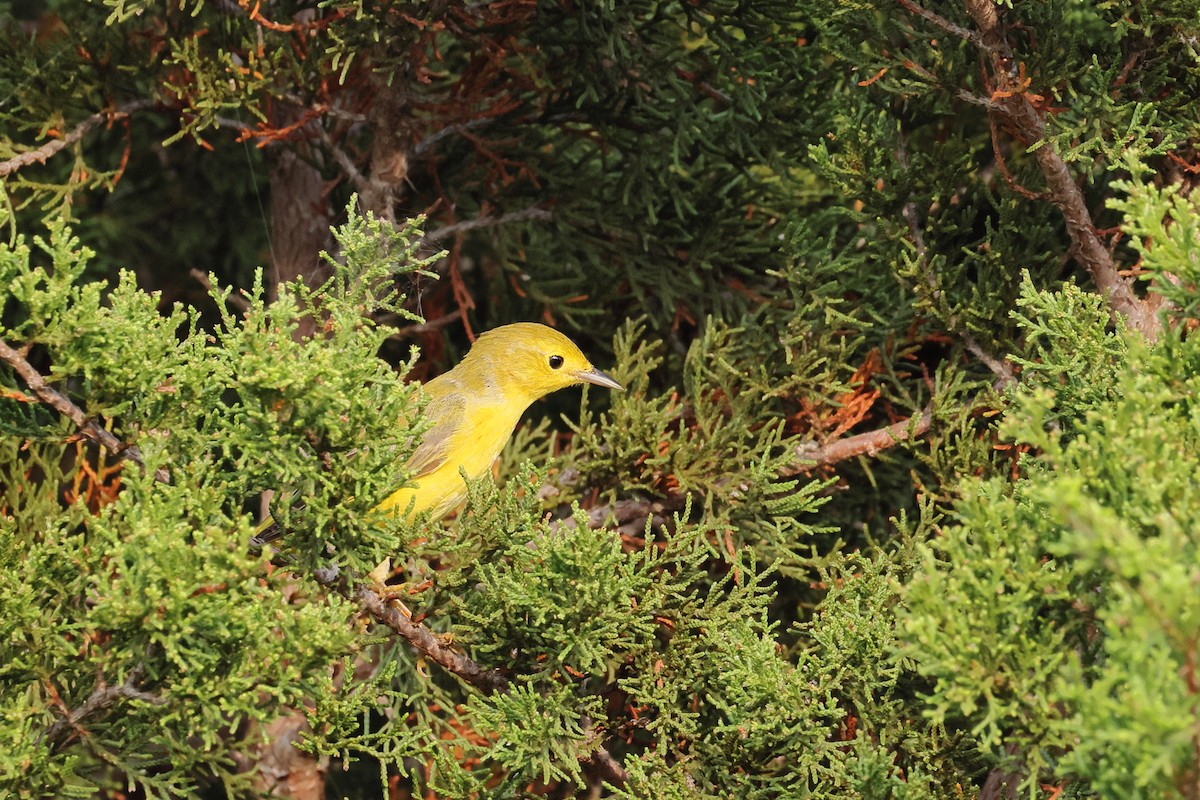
{"x": 475, "y": 407}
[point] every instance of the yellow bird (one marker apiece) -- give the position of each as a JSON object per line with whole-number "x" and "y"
{"x": 475, "y": 407}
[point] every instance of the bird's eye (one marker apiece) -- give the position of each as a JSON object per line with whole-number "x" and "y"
{"x": 556, "y": 362}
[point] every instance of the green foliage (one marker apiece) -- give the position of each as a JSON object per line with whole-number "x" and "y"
{"x": 1165, "y": 234}
{"x": 801, "y": 232}
{"x": 155, "y": 592}
{"x": 1073, "y": 357}
{"x": 1056, "y": 617}
{"x": 709, "y": 448}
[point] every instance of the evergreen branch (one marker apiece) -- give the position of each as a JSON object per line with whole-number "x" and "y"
{"x": 431, "y": 647}
{"x": 103, "y": 696}
{"x": 810, "y": 454}
{"x": 60, "y": 403}
{"x": 1065, "y": 194}
{"x": 1063, "y": 191}
{"x": 488, "y": 681}
{"x": 42, "y": 154}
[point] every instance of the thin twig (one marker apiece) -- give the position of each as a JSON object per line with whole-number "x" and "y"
{"x": 811, "y": 454}
{"x": 974, "y": 99}
{"x": 60, "y": 403}
{"x": 1002, "y": 162}
{"x": 425, "y": 145}
{"x": 344, "y": 161}
{"x": 425, "y": 327}
{"x": 41, "y": 154}
{"x": 532, "y": 212}
{"x": 943, "y": 23}
{"x": 233, "y": 298}
{"x": 420, "y": 637}
{"x": 58, "y": 735}
{"x": 1000, "y": 368}
{"x": 325, "y": 109}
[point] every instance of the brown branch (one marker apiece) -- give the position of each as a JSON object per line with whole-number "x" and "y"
{"x": 233, "y": 298}
{"x": 41, "y": 154}
{"x": 60, "y": 403}
{"x": 943, "y": 23}
{"x": 532, "y": 212}
{"x": 609, "y": 768}
{"x": 103, "y": 696}
{"x": 811, "y": 454}
{"x": 420, "y": 637}
{"x": 1140, "y": 315}
{"x": 1064, "y": 193}
{"x": 425, "y": 327}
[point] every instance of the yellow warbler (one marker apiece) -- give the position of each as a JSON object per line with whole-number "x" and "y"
{"x": 474, "y": 409}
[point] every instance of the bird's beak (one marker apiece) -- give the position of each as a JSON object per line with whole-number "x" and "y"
{"x": 597, "y": 377}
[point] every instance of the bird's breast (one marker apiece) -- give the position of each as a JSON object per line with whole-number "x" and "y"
{"x": 482, "y": 435}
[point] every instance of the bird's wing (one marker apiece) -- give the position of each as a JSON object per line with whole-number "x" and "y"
{"x": 447, "y": 411}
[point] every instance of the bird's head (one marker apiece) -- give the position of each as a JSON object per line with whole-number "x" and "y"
{"x": 533, "y": 360}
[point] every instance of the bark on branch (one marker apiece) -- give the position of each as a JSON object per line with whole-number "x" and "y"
{"x": 1030, "y": 124}
{"x": 40, "y": 155}
{"x": 420, "y": 637}
{"x": 862, "y": 444}
{"x": 60, "y": 403}
{"x": 103, "y": 696}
